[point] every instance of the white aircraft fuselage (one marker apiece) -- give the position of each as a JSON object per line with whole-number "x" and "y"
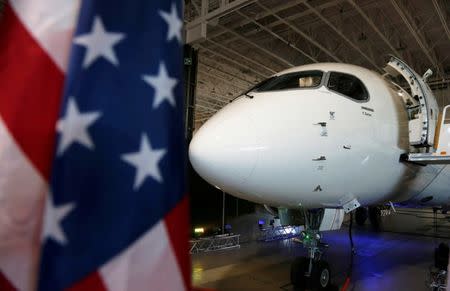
{"x": 317, "y": 148}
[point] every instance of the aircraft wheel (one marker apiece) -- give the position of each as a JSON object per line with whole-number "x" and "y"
{"x": 375, "y": 217}
{"x": 361, "y": 216}
{"x": 298, "y": 269}
{"x": 321, "y": 276}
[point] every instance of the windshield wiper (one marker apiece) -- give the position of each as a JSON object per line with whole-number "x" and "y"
{"x": 248, "y": 95}
{"x": 245, "y": 94}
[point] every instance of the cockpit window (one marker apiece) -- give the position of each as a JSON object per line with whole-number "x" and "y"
{"x": 297, "y": 80}
{"x": 347, "y": 85}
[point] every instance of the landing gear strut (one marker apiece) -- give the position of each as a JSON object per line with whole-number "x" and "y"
{"x": 311, "y": 272}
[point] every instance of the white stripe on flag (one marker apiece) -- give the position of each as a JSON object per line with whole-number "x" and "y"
{"x": 51, "y": 23}
{"x": 22, "y": 193}
{"x": 149, "y": 263}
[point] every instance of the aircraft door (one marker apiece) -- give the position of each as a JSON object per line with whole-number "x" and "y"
{"x": 423, "y": 121}
{"x": 443, "y": 146}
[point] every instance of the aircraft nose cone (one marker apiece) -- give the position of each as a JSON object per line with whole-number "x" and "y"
{"x": 224, "y": 151}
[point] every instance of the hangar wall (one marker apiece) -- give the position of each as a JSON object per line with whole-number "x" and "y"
{"x": 442, "y": 96}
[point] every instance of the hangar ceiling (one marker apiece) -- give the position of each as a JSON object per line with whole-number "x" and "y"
{"x": 242, "y": 42}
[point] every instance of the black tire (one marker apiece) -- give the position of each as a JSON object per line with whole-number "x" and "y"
{"x": 441, "y": 254}
{"x": 298, "y": 269}
{"x": 321, "y": 276}
{"x": 361, "y": 216}
{"x": 375, "y": 217}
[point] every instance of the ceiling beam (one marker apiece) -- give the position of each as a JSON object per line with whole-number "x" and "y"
{"x": 205, "y": 103}
{"x": 297, "y": 30}
{"x": 280, "y": 8}
{"x": 205, "y": 100}
{"x": 374, "y": 27}
{"x": 222, "y": 100}
{"x": 203, "y": 119}
{"x": 196, "y": 8}
{"x": 342, "y": 35}
{"x": 204, "y": 107}
{"x": 209, "y": 107}
{"x": 401, "y": 11}
{"x": 285, "y": 41}
{"x": 221, "y": 55}
{"x": 222, "y": 71}
{"x": 228, "y": 82}
{"x": 441, "y": 16}
{"x": 242, "y": 56}
{"x": 224, "y": 8}
{"x": 246, "y": 40}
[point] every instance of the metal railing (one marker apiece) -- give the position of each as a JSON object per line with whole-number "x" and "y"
{"x": 215, "y": 243}
{"x": 437, "y": 279}
{"x": 280, "y": 232}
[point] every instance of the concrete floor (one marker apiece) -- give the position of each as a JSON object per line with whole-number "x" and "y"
{"x": 384, "y": 261}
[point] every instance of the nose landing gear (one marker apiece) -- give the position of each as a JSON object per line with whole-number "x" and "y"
{"x": 311, "y": 273}
{"x": 317, "y": 279}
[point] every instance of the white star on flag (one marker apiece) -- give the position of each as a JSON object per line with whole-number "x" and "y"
{"x": 53, "y": 217}
{"x": 145, "y": 161}
{"x": 163, "y": 86}
{"x": 99, "y": 43}
{"x": 74, "y": 127}
{"x": 174, "y": 22}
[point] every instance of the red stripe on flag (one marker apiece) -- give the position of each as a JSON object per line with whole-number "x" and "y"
{"x": 5, "y": 285}
{"x": 92, "y": 282}
{"x": 31, "y": 88}
{"x": 178, "y": 226}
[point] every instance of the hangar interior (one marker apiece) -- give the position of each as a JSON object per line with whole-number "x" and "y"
{"x": 232, "y": 45}
{"x": 236, "y": 44}
{"x": 240, "y": 43}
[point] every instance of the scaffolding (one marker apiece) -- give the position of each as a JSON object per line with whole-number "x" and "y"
{"x": 280, "y": 232}
{"x": 215, "y": 243}
{"x": 437, "y": 279}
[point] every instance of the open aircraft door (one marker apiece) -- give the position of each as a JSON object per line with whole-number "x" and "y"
{"x": 443, "y": 137}
{"x": 423, "y": 115}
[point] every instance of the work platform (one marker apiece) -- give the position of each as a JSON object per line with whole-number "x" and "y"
{"x": 215, "y": 243}
{"x": 280, "y": 233}
{"x": 441, "y": 154}
{"x": 428, "y": 159}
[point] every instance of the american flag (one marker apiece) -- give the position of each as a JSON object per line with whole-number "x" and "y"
{"x": 92, "y": 184}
